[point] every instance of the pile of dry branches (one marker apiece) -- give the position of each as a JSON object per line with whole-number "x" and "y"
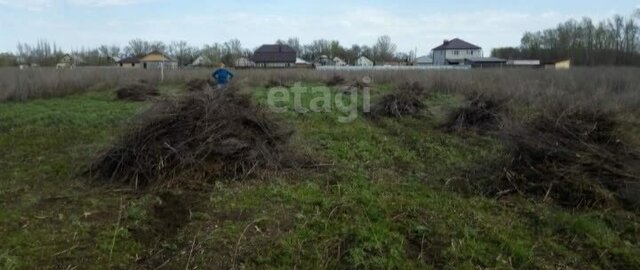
{"x": 198, "y": 85}
{"x": 139, "y": 91}
{"x": 572, "y": 157}
{"x": 479, "y": 114}
{"x": 204, "y": 134}
{"x": 407, "y": 100}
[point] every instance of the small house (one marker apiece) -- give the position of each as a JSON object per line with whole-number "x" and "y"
{"x": 275, "y": 56}
{"x": 129, "y": 62}
{"x": 69, "y": 61}
{"x": 201, "y": 61}
{"x": 158, "y": 60}
{"x": 243, "y": 62}
{"x": 324, "y": 61}
{"x": 339, "y": 62}
{"x": 561, "y": 64}
{"x": 564, "y": 64}
{"x": 363, "y": 61}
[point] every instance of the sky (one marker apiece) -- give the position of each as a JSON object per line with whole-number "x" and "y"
{"x": 411, "y": 24}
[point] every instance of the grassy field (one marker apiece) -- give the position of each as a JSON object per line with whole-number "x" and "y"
{"x": 380, "y": 201}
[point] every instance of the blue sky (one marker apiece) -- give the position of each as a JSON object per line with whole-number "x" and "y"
{"x": 419, "y": 25}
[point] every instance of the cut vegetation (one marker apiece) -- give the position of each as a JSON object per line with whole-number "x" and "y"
{"x": 407, "y": 100}
{"x": 139, "y": 91}
{"x": 200, "y": 135}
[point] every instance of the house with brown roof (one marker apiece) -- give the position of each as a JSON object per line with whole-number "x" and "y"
{"x": 158, "y": 60}
{"x": 454, "y": 52}
{"x": 275, "y": 56}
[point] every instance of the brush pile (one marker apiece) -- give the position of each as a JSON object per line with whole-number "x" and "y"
{"x": 480, "y": 114}
{"x": 198, "y": 135}
{"x": 335, "y": 80}
{"x": 573, "y": 158}
{"x": 198, "y": 85}
{"x": 407, "y": 100}
{"x": 138, "y": 91}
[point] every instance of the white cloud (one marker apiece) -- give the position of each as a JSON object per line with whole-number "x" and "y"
{"x": 34, "y": 5}
{"x": 104, "y": 3}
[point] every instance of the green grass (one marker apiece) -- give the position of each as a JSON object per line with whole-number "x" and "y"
{"x": 381, "y": 204}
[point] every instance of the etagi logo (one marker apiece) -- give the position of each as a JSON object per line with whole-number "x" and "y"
{"x": 344, "y": 99}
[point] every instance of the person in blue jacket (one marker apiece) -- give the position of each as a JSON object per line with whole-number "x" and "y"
{"x": 222, "y": 76}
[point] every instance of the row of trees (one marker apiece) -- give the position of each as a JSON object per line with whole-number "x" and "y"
{"x": 614, "y": 41}
{"x": 383, "y": 50}
{"x": 45, "y": 53}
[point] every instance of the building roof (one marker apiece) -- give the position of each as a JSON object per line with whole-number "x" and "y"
{"x": 275, "y": 53}
{"x": 300, "y": 61}
{"x": 424, "y": 59}
{"x": 129, "y": 60}
{"x": 485, "y": 60}
{"x": 156, "y": 56}
{"x": 456, "y": 44}
{"x": 337, "y": 59}
{"x": 524, "y": 62}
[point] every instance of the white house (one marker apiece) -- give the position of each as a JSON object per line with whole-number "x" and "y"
{"x": 201, "y": 61}
{"x": 363, "y": 61}
{"x": 453, "y": 52}
{"x": 243, "y": 62}
{"x": 69, "y": 61}
{"x": 339, "y": 62}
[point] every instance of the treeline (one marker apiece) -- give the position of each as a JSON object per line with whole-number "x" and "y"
{"x": 384, "y": 50}
{"x": 45, "y": 53}
{"x": 614, "y": 41}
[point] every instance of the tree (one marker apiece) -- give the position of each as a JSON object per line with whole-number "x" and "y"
{"x": 612, "y": 42}
{"x": 138, "y": 48}
{"x": 384, "y": 49}
{"x": 157, "y": 46}
{"x": 181, "y": 51}
{"x": 294, "y": 43}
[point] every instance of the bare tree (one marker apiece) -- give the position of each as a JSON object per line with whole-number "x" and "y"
{"x": 384, "y": 49}
{"x": 181, "y": 51}
{"x": 138, "y": 47}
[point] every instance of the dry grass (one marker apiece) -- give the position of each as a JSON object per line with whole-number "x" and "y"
{"x": 612, "y": 87}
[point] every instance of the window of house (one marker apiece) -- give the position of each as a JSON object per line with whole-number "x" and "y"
{"x": 456, "y": 52}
